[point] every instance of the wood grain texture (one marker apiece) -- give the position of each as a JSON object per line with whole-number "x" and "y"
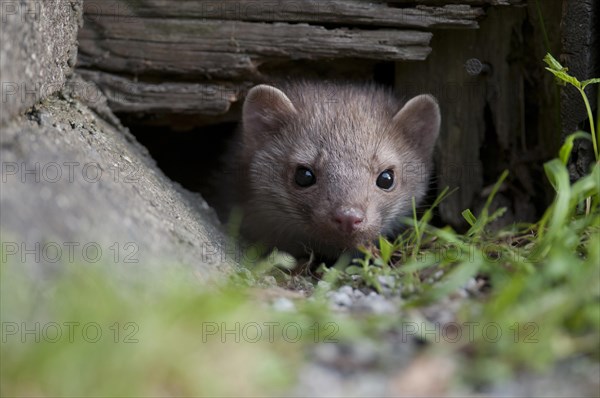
{"x": 173, "y": 65}
{"x": 482, "y": 114}
{"x": 126, "y": 95}
{"x": 446, "y": 2}
{"x": 132, "y": 46}
{"x": 232, "y": 48}
{"x": 339, "y": 12}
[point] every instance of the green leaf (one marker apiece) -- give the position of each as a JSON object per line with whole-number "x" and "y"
{"x": 495, "y": 189}
{"x": 497, "y": 214}
{"x": 469, "y": 217}
{"x": 553, "y": 63}
{"x": 353, "y": 270}
{"x": 565, "y": 78}
{"x": 565, "y": 150}
{"x": 560, "y": 71}
{"x": 588, "y": 185}
{"x": 386, "y": 249}
{"x": 559, "y": 178}
{"x": 283, "y": 260}
{"x": 457, "y": 278}
{"x": 590, "y": 81}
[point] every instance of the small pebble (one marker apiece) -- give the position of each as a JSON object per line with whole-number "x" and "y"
{"x": 340, "y": 299}
{"x": 284, "y": 305}
{"x": 346, "y": 289}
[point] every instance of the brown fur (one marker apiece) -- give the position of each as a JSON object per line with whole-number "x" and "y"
{"x": 347, "y": 134}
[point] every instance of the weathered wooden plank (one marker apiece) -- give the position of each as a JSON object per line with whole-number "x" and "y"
{"x": 121, "y": 56}
{"x": 413, "y": 3}
{"x": 482, "y": 114}
{"x": 340, "y": 12}
{"x": 207, "y": 99}
{"x": 226, "y": 48}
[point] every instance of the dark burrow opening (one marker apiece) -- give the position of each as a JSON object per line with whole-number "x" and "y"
{"x": 192, "y": 157}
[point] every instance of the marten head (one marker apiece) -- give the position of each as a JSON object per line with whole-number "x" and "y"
{"x": 330, "y": 167}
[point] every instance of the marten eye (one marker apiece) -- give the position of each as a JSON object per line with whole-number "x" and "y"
{"x": 385, "y": 179}
{"x": 304, "y": 177}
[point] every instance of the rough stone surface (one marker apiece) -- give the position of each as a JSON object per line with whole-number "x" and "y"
{"x": 78, "y": 189}
{"x": 38, "y": 52}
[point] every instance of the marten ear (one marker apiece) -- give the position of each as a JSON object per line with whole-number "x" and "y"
{"x": 418, "y": 123}
{"x": 265, "y": 110}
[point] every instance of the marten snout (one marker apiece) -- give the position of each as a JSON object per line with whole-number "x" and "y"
{"x": 348, "y": 220}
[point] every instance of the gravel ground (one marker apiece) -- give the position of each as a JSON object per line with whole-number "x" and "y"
{"x": 397, "y": 364}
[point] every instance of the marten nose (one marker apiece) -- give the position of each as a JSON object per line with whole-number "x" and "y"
{"x": 348, "y": 220}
